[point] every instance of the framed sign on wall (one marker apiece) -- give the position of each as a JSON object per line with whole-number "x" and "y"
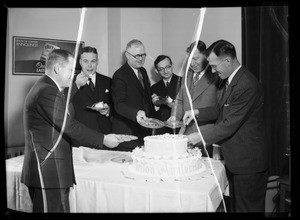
{"x": 29, "y": 54}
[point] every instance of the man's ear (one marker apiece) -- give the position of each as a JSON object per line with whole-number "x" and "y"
{"x": 227, "y": 59}
{"x": 126, "y": 55}
{"x": 56, "y": 68}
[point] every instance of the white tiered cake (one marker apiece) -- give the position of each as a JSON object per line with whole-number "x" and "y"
{"x": 167, "y": 156}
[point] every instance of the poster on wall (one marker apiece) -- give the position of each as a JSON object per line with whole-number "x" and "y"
{"x": 29, "y": 54}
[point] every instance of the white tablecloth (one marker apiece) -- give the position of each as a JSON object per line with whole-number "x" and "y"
{"x": 107, "y": 186}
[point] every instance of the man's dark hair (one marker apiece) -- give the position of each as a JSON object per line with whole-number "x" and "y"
{"x": 221, "y": 48}
{"x": 88, "y": 50}
{"x": 160, "y": 58}
{"x": 200, "y": 46}
{"x": 57, "y": 56}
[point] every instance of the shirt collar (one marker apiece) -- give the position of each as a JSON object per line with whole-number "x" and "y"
{"x": 233, "y": 74}
{"x": 93, "y": 78}
{"x": 134, "y": 70}
{"x": 201, "y": 73}
{"x": 60, "y": 89}
{"x": 167, "y": 80}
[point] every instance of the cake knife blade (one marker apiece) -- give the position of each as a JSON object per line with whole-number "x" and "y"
{"x": 182, "y": 129}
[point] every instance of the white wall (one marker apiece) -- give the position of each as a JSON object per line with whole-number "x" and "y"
{"x": 162, "y": 30}
{"x": 144, "y": 24}
{"x": 179, "y": 25}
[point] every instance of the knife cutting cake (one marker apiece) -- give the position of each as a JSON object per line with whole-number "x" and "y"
{"x": 167, "y": 155}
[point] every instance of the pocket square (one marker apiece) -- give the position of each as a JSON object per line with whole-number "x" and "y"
{"x": 226, "y": 105}
{"x": 106, "y": 90}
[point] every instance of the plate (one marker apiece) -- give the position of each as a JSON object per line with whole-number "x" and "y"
{"x": 126, "y": 137}
{"x": 97, "y": 106}
{"x": 152, "y": 123}
{"x": 173, "y": 124}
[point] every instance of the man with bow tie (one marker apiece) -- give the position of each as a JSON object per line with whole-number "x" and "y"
{"x": 95, "y": 88}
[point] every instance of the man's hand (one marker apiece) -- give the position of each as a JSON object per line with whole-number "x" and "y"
{"x": 170, "y": 102}
{"x": 216, "y": 152}
{"x": 113, "y": 140}
{"x": 171, "y": 119}
{"x": 140, "y": 116}
{"x": 189, "y": 116}
{"x": 81, "y": 80}
{"x": 194, "y": 138}
{"x": 155, "y": 98}
{"x": 105, "y": 110}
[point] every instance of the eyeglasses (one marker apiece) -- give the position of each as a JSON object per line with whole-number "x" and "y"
{"x": 167, "y": 68}
{"x": 138, "y": 56}
{"x": 216, "y": 66}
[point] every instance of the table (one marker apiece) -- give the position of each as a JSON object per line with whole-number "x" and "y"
{"x": 104, "y": 186}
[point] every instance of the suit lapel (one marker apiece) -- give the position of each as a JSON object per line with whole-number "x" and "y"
{"x": 200, "y": 86}
{"x": 231, "y": 86}
{"x": 88, "y": 92}
{"x": 174, "y": 86}
{"x": 99, "y": 89}
{"x": 132, "y": 78}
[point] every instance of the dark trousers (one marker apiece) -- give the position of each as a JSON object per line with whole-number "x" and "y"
{"x": 247, "y": 191}
{"x": 57, "y": 199}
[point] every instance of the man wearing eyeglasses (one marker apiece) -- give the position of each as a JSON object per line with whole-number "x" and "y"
{"x": 165, "y": 90}
{"x": 132, "y": 96}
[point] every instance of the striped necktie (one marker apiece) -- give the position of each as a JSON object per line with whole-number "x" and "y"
{"x": 227, "y": 84}
{"x": 140, "y": 77}
{"x": 196, "y": 77}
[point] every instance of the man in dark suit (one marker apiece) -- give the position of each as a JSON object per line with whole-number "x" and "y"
{"x": 164, "y": 91}
{"x": 132, "y": 96}
{"x": 48, "y": 166}
{"x": 239, "y": 129}
{"x": 97, "y": 89}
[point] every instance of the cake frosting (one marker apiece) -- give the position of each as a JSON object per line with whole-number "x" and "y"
{"x": 166, "y": 156}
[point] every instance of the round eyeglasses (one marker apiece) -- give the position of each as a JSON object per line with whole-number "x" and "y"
{"x": 166, "y": 68}
{"x": 138, "y": 56}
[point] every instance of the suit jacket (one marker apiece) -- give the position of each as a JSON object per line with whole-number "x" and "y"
{"x": 129, "y": 97}
{"x": 161, "y": 90}
{"x": 239, "y": 128}
{"x": 43, "y": 118}
{"x": 85, "y": 97}
{"x": 204, "y": 93}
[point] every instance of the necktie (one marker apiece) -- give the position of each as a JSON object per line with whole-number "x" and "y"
{"x": 167, "y": 84}
{"x": 91, "y": 84}
{"x": 140, "y": 77}
{"x": 227, "y": 84}
{"x": 196, "y": 77}
{"x": 224, "y": 88}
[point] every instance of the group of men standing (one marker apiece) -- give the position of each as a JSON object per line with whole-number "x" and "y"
{"x": 227, "y": 101}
